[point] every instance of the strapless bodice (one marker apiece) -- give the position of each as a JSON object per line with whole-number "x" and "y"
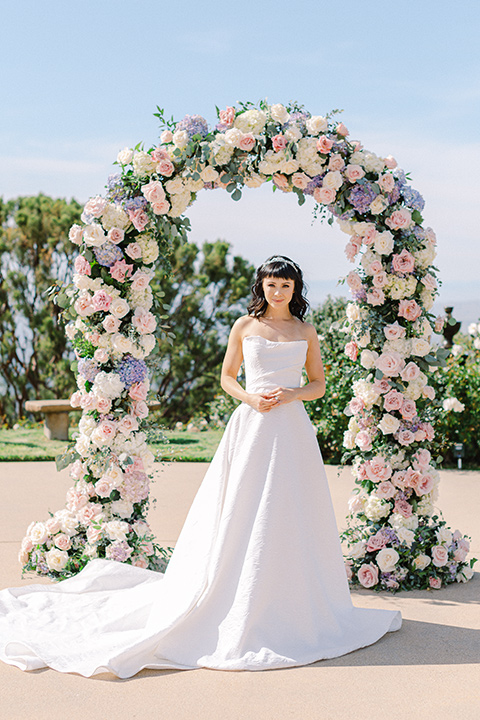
{"x": 269, "y": 364}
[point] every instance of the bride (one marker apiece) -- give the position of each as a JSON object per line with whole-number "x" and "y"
{"x": 257, "y": 579}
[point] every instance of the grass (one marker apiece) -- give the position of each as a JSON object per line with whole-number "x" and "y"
{"x": 28, "y": 444}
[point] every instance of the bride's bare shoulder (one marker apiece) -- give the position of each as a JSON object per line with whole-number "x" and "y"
{"x": 243, "y": 324}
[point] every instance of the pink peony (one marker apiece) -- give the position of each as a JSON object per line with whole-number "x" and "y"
{"x": 115, "y": 235}
{"x": 409, "y": 309}
{"x": 324, "y": 144}
{"x": 324, "y": 195}
{"x": 404, "y": 262}
{"x": 368, "y": 575}
{"x": 279, "y": 142}
{"x": 82, "y": 266}
{"x": 399, "y": 220}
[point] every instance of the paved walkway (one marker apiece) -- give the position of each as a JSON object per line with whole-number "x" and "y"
{"x": 430, "y": 669}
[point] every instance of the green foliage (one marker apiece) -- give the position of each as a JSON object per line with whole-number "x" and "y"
{"x": 327, "y": 413}
{"x": 203, "y": 295}
{"x": 35, "y": 254}
{"x": 460, "y": 379}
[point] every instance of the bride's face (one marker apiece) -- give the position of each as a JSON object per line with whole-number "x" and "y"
{"x": 278, "y": 291}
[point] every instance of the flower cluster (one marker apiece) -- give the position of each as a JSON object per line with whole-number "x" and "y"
{"x": 112, "y": 328}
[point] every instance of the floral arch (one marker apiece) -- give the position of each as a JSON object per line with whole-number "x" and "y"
{"x": 395, "y": 539}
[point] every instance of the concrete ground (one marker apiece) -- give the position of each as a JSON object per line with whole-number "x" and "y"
{"x": 429, "y": 669}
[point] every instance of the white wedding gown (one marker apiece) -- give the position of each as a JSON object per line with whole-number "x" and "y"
{"x": 257, "y": 579}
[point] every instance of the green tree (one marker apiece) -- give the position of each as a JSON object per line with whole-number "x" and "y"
{"x": 204, "y": 293}
{"x": 35, "y": 253}
{"x": 327, "y": 413}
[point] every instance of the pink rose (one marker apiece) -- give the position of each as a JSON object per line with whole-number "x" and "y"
{"x": 106, "y": 430}
{"x": 127, "y": 424}
{"x": 120, "y": 270}
{"x": 462, "y": 549}
{"x": 324, "y": 195}
{"x": 362, "y": 471}
{"x": 402, "y": 507}
{"x": 351, "y": 350}
{"x": 422, "y": 459}
{"x": 411, "y": 478}
{"x": 166, "y": 136}
{"x": 409, "y": 309}
{"x": 368, "y": 575}
{"x": 348, "y": 569}
{"x": 75, "y": 500}
{"x": 83, "y": 305}
{"x": 430, "y": 236}
{"x": 430, "y": 283}
{"x": 161, "y": 208}
{"x": 399, "y": 219}
{"x": 280, "y": 181}
{"x": 408, "y": 410}
{"x": 227, "y": 116}
{"x": 410, "y": 372}
{"x": 62, "y": 542}
{"x": 139, "y": 218}
{"x": 139, "y": 561}
{"x": 390, "y": 162}
{"x": 425, "y": 484}
{"x": 247, "y": 142}
{"x": 386, "y": 182}
{"x": 429, "y": 431}
{"x": 93, "y": 337}
{"x": 279, "y": 142}
{"x": 405, "y": 437}
{"x": 115, "y": 235}
{"x": 378, "y": 469}
{"x": 153, "y": 191}
{"x": 77, "y": 470}
{"x": 88, "y": 401}
{"x": 390, "y": 363}
{"x": 404, "y": 262}
{"x": 341, "y": 130}
{"x": 394, "y": 331}
{"x": 376, "y": 267}
{"x": 101, "y": 301}
{"x": 53, "y": 525}
{"x": 88, "y": 513}
{"x": 354, "y": 281}
{"x": 300, "y": 180}
{"x": 370, "y": 234}
{"x": 104, "y": 487}
{"x": 428, "y": 392}
{"x": 376, "y": 542}
{"x": 380, "y": 279}
{"x": 420, "y": 435}
{"x": 336, "y": 163}
{"x": 398, "y": 479}
{"x": 363, "y": 440}
{"x": 165, "y": 167}
{"x": 382, "y": 386}
{"x": 93, "y": 534}
{"x": 75, "y": 234}
{"x": 95, "y": 206}
{"x": 354, "y": 173}
{"x": 375, "y": 297}
{"x": 134, "y": 251}
{"x": 100, "y": 355}
{"x": 435, "y": 583}
{"x": 356, "y": 406}
{"x": 138, "y": 391}
{"x": 439, "y": 555}
{"x": 393, "y": 400}
{"x": 160, "y": 154}
{"x": 111, "y": 324}
{"x": 351, "y": 250}
{"x": 385, "y": 490}
{"x": 103, "y": 405}
{"x": 324, "y": 144}
{"x": 144, "y": 321}
{"x": 82, "y": 266}
{"x": 140, "y": 409}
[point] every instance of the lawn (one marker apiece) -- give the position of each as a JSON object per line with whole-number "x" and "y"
{"x": 26, "y": 444}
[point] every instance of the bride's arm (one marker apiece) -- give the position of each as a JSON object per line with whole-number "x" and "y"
{"x": 231, "y": 365}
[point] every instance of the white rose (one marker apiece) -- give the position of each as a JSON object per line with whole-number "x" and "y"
{"x": 180, "y": 139}
{"x": 465, "y": 574}
{"x": 420, "y": 347}
{"x": 406, "y": 536}
{"x": 333, "y": 180}
{"x": 388, "y": 424}
{"x": 421, "y": 562}
{"x": 125, "y": 156}
{"x": 367, "y": 359}
{"x": 209, "y": 174}
{"x": 122, "y": 508}
{"x": 117, "y": 530}
{"x": 279, "y": 113}
{"x": 444, "y": 536}
{"x": 56, "y": 559}
{"x": 384, "y": 243}
{"x": 348, "y": 440}
{"x": 82, "y": 445}
{"x": 93, "y": 235}
{"x": 386, "y": 559}
{"x": 293, "y": 133}
{"x": 316, "y": 124}
{"x": 87, "y": 425}
{"x": 119, "y": 308}
{"x": 38, "y": 533}
{"x": 378, "y": 205}
{"x": 453, "y": 404}
{"x": 357, "y": 550}
{"x": 121, "y": 343}
{"x": 148, "y": 343}
{"x": 353, "y": 312}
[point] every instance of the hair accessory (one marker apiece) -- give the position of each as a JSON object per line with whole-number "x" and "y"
{"x": 278, "y": 258}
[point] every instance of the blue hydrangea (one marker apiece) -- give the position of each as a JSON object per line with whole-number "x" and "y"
{"x": 88, "y": 368}
{"x": 314, "y": 183}
{"x": 394, "y": 196}
{"x": 194, "y": 125}
{"x": 299, "y": 119}
{"x": 361, "y": 196}
{"x": 400, "y": 176}
{"x": 419, "y": 232}
{"x": 131, "y": 370}
{"x": 108, "y": 254}
{"x": 135, "y": 203}
{"x": 116, "y": 191}
{"x": 412, "y": 198}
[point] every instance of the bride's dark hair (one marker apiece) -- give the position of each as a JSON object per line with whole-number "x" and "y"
{"x": 278, "y": 266}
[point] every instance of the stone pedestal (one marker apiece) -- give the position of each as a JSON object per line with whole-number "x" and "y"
{"x": 55, "y": 426}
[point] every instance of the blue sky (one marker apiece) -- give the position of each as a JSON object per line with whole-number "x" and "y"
{"x": 81, "y": 80}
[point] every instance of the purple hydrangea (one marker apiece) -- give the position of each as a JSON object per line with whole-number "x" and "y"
{"x": 131, "y": 370}
{"x": 88, "y": 368}
{"x": 361, "y": 196}
{"x": 136, "y": 203}
{"x": 116, "y": 191}
{"x": 400, "y": 176}
{"x": 394, "y": 196}
{"x": 118, "y": 550}
{"x": 194, "y": 125}
{"x": 314, "y": 183}
{"x": 412, "y": 198}
{"x": 299, "y": 119}
{"x": 419, "y": 232}
{"x": 108, "y": 254}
